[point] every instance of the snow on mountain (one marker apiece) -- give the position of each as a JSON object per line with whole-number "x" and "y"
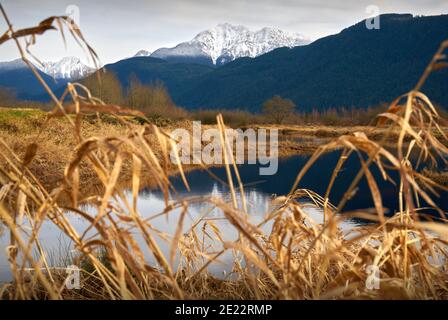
{"x": 227, "y": 42}
{"x": 68, "y": 68}
{"x": 143, "y": 53}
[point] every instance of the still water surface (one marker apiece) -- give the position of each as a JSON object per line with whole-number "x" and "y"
{"x": 258, "y": 191}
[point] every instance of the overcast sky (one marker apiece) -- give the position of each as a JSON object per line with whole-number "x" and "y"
{"x": 118, "y": 29}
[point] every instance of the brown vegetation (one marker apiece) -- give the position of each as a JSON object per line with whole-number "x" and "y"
{"x": 440, "y": 177}
{"x": 296, "y": 259}
{"x": 152, "y": 100}
{"x": 278, "y": 108}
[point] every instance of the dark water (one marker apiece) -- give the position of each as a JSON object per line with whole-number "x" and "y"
{"x": 316, "y": 179}
{"x": 258, "y": 193}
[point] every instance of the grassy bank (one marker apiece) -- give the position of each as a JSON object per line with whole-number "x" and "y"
{"x": 55, "y": 141}
{"x": 20, "y": 127}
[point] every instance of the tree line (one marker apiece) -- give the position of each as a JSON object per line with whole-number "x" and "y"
{"x": 155, "y": 101}
{"x": 151, "y": 99}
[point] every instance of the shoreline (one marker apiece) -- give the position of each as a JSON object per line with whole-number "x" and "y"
{"x": 56, "y": 143}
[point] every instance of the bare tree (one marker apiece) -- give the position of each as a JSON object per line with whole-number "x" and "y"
{"x": 278, "y": 108}
{"x": 107, "y": 87}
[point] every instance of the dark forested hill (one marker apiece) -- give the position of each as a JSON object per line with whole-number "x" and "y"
{"x": 357, "y": 67}
{"x": 175, "y": 75}
{"x": 17, "y": 77}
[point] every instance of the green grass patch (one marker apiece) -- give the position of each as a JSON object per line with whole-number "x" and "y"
{"x": 15, "y": 120}
{"x": 8, "y": 114}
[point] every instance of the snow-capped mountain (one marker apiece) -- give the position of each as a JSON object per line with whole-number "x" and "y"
{"x": 143, "y": 53}
{"x": 68, "y": 68}
{"x": 227, "y": 42}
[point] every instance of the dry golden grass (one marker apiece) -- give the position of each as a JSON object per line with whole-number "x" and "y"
{"x": 440, "y": 177}
{"x": 297, "y": 259}
{"x": 19, "y": 128}
{"x": 56, "y": 142}
{"x": 326, "y": 132}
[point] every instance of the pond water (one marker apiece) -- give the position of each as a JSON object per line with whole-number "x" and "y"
{"x": 316, "y": 179}
{"x": 258, "y": 191}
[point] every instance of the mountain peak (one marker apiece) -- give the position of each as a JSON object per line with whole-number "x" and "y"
{"x": 143, "y": 53}
{"x": 226, "y": 42}
{"x": 68, "y": 68}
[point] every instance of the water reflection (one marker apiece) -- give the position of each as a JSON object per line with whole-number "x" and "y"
{"x": 258, "y": 192}
{"x": 151, "y": 204}
{"x": 316, "y": 179}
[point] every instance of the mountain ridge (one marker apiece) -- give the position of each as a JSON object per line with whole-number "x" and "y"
{"x": 226, "y": 42}
{"x": 354, "y": 68}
